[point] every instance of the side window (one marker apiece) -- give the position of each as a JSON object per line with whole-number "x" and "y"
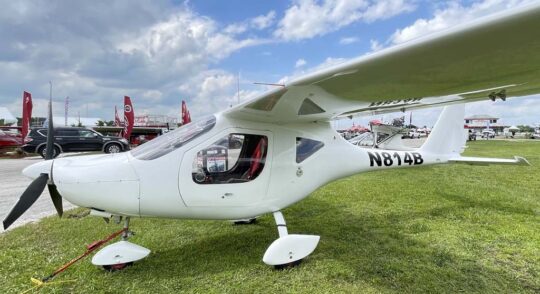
{"x": 86, "y": 133}
{"x": 306, "y": 147}
{"x": 68, "y": 133}
{"x": 235, "y": 158}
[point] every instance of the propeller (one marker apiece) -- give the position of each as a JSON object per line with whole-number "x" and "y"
{"x": 34, "y": 190}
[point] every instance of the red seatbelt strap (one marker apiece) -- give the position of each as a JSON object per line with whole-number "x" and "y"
{"x": 256, "y": 158}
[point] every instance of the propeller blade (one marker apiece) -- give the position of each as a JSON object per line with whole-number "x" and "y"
{"x": 50, "y": 134}
{"x": 56, "y": 199}
{"x": 28, "y": 197}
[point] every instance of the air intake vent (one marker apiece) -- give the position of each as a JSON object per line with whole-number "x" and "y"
{"x": 309, "y": 107}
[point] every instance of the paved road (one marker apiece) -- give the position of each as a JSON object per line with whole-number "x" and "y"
{"x": 13, "y": 184}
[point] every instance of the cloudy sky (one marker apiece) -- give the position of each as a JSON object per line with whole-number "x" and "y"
{"x": 160, "y": 52}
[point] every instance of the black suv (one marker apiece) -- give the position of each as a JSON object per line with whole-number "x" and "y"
{"x": 70, "y": 139}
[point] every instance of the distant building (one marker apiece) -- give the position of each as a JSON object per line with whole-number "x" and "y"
{"x": 152, "y": 120}
{"x": 483, "y": 121}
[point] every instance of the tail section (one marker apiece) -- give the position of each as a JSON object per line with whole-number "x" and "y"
{"x": 447, "y": 137}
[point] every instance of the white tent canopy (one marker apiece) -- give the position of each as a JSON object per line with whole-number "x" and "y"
{"x": 6, "y": 115}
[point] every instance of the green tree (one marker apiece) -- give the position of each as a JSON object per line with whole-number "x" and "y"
{"x": 525, "y": 129}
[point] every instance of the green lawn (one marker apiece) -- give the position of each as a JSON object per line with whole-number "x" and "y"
{"x": 448, "y": 228}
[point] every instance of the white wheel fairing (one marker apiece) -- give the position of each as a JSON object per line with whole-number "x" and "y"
{"x": 120, "y": 252}
{"x": 290, "y": 248}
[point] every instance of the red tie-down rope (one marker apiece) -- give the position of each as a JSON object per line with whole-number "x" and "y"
{"x": 89, "y": 249}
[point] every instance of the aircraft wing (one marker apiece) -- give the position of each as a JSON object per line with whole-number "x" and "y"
{"x": 490, "y": 58}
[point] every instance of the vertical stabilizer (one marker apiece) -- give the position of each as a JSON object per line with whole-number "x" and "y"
{"x": 447, "y": 137}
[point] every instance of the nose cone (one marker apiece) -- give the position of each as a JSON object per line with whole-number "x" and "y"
{"x": 42, "y": 167}
{"x": 106, "y": 182}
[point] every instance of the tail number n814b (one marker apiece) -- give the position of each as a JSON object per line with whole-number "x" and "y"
{"x": 389, "y": 159}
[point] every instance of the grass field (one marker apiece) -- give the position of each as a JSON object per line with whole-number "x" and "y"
{"x": 439, "y": 229}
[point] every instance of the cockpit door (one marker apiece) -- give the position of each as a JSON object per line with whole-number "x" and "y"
{"x": 230, "y": 169}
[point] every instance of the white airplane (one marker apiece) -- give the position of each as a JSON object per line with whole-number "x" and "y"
{"x": 271, "y": 152}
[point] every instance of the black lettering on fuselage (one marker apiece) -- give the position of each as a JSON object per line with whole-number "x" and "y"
{"x": 417, "y": 158}
{"x": 374, "y": 158}
{"x": 387, "y": 159}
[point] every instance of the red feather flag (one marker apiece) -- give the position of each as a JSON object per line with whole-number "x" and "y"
{"x": 26, "y": 113}
{"x": 129, "y": 117}
{"x": 186, "y": 117}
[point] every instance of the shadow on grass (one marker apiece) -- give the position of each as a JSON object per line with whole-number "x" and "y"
{"x": 467, "y": 202}
{"x": 370, "y": 249}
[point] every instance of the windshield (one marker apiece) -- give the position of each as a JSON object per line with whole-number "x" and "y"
{"x": 173, "y": 140}
{"x": 365, "y": 139}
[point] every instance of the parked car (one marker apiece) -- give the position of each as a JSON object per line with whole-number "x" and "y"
{"x": 72, "y": 139}
{"x": 412, "y": 134}
{"x": 488, "y": 133}
{"x": 9, "y": 141}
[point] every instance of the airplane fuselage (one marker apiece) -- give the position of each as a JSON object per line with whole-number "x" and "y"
{"x": 166, "y": 185}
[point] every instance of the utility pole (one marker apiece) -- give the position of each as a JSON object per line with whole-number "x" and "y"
{"x": 66, "y": 110}
{"x": 50, "y": 100}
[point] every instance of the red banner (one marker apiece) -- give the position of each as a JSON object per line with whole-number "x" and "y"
{"x": 26, "y": 113}
{"x": 129, "y": 117}
{"x": 186, "y": 117}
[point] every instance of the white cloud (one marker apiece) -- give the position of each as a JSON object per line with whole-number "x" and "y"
{"x": 386, "y": 9}
{"x": 264, "y": 21}
{"x": 260, "y": 22}
{"x": 186, "y": 32}
{"x": 309, "y": 18}
{"x": 216, "y": 90}
{"x": 454, "y": 13}
{"x": 300, "y": 63}
{"x": 235, "y": 28}
{"x": 328, "y": 62}
{"x": 142, "y": 49}
{"x": 375, "y": 45}
{"x": 348, "y": 40}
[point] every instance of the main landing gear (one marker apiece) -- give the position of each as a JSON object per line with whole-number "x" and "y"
{"x": 121, "y": 254}
{"x": 288, "y": 250}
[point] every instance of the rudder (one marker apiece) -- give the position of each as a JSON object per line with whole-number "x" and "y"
{"x": 447, "y": 137}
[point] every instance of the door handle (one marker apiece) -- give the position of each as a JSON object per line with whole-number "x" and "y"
{"x": 227, "y": 195}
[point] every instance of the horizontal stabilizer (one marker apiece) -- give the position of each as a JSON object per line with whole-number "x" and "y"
{"x": 488, "y": 161}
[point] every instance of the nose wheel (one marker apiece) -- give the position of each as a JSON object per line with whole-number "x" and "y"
{"x": 120, "y": 255}
{"x": 117, "y": 267}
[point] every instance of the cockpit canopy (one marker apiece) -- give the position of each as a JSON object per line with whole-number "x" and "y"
{"x": 173, "y": 140}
